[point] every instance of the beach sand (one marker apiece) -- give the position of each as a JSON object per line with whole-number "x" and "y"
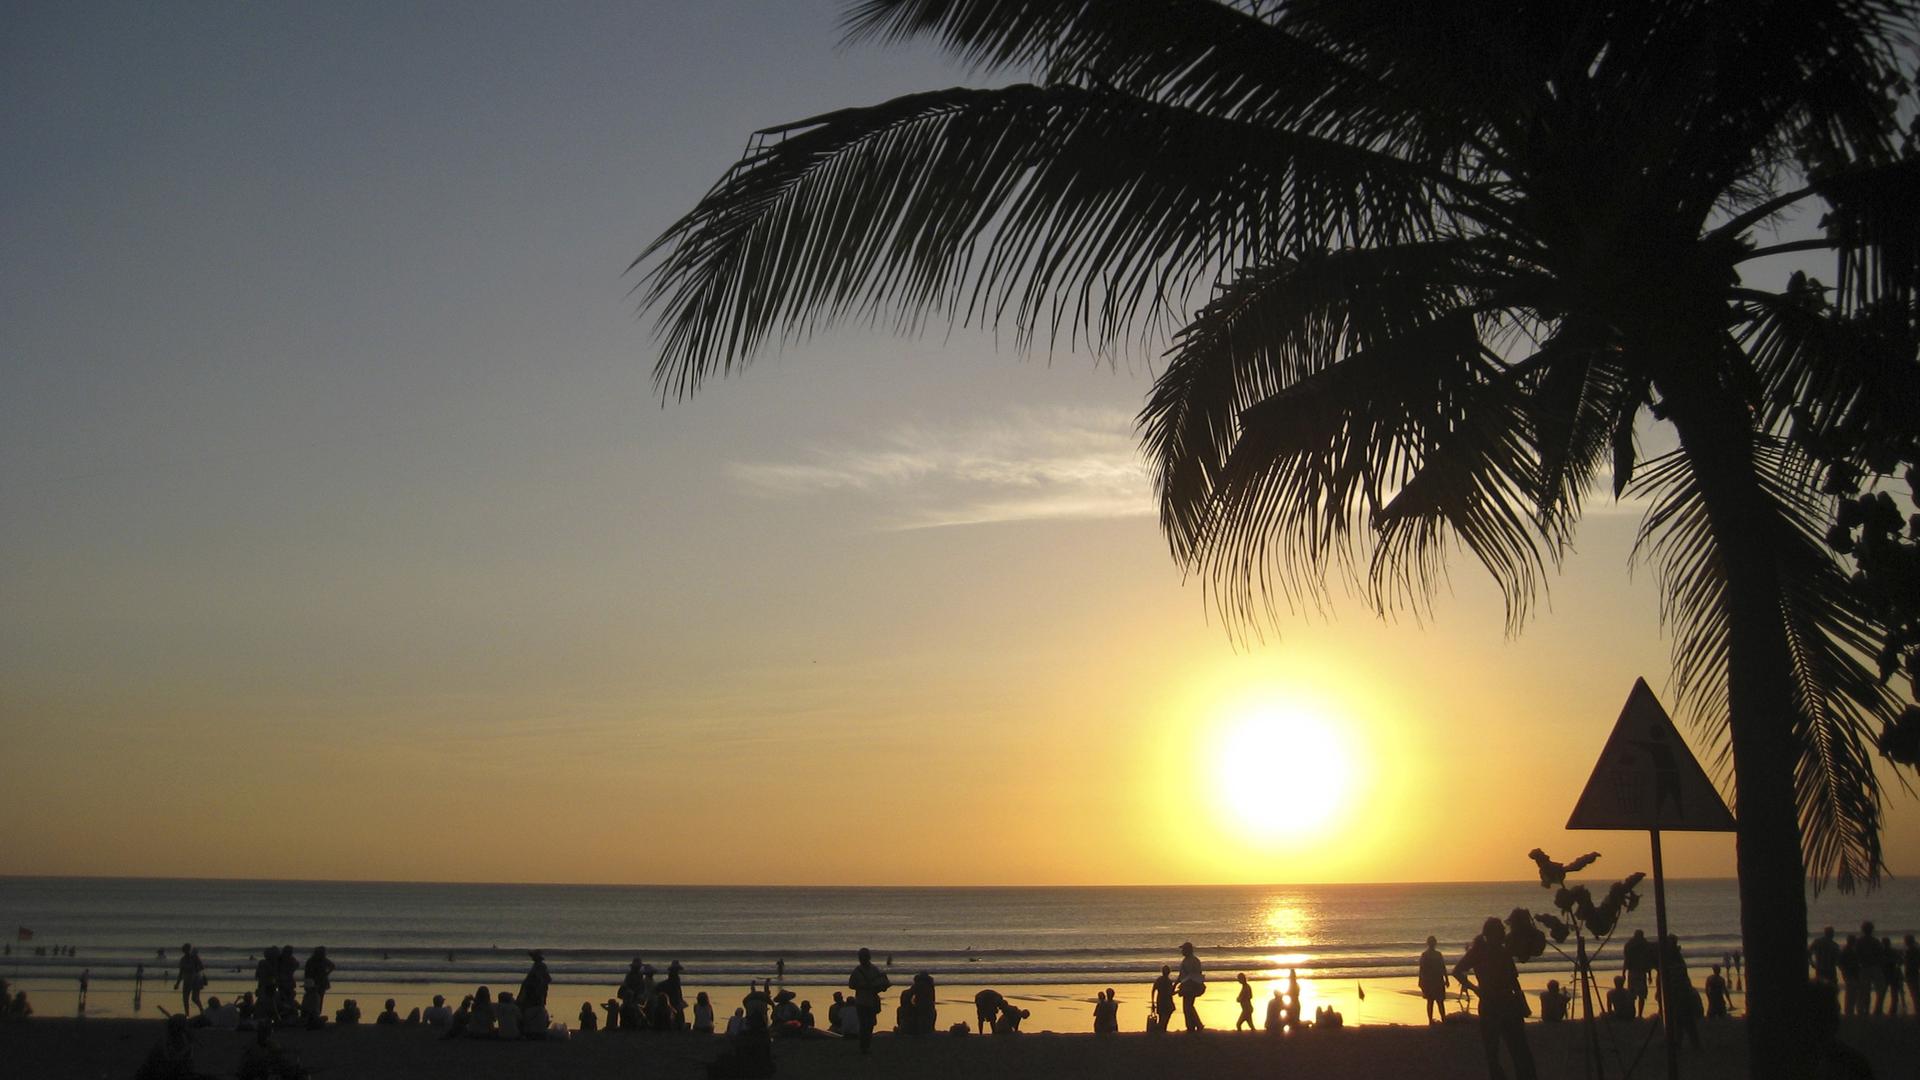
{"x": 90, "y": 1049}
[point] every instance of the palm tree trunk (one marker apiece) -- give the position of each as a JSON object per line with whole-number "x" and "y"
{"x": 1716, "y": 435}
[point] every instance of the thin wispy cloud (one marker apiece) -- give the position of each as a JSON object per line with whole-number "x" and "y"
{"x": 1028, "y": 465}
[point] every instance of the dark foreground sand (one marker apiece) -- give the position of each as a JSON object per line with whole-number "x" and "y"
{"x": 60, "y": 1049}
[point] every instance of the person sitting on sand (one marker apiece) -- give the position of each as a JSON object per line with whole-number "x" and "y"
{"x": 736, "y": 1023}
{"x": 1245, "y": 998}
{"x": 758, "y": 1006}
{"x": 348, "y": 1013}
{"x": 506, "y": 1016}
{"x": 388, "y": 1015}
{"x": 1276, "y": 1013}
{"x": 534, "y": 1021}
{"x": 589, "y": 1020}
{"x": 479, "y": 1023}
{"x": 1620, "y": 1000}
{"x": 1433, "y": 981}
{"x": 1553, "y": 1003}
{"x": 437, "y": 1013}
{"x": 806, "y": 1016}
{"x": 834, "y": 1010}
{"x": 217, "y": 1015}
{"x": 172, "y": 1057}
{"x": 702, "y": 1014}
{"x": 1161, "y": 996}
{"x": 413, "y": 1017}
{"x": 786, "y": 1012}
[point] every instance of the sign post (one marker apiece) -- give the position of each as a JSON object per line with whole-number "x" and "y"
{"x": 1646, "y": 778}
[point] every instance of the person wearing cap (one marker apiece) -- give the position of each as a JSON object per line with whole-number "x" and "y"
{"x": 533, "y": 988}
{"x": 1192, "y": 983}
{"x": 867, "y": 983}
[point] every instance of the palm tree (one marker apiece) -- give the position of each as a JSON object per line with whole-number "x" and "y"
{"x": 1426, "y": 269}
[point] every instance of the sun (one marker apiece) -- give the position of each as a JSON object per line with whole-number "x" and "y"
{"x": 1283, "y": 772}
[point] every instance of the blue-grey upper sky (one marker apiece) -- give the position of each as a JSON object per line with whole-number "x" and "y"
{"x": 331, "y": 472}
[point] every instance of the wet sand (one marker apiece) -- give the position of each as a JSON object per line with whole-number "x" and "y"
{"x": 88, "y": 1049}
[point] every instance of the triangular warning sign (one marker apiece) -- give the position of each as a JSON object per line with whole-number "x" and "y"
{"x": 1646, "y": 777}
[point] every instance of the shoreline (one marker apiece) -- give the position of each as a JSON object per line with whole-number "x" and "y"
{"x": 60, "y": 1049}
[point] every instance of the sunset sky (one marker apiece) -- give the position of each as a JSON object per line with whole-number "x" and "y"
{"x": 342, "y": 534}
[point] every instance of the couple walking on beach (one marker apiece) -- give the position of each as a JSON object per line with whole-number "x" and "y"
{"x": 1190, "y": 984}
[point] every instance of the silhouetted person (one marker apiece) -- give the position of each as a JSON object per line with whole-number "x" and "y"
{"x": 85, "y": 975}
{"x": 388, "y": 1015}
{"x": 288, "y": 974}
{"x": 1293, "y": 997}
{"x": 1245, "y": 999}
{"x": 266, "y": 987}
{"x": 479, "y": 1023}
{"x": 318, "y": 979}
{"x": 780, "y": 969}
{"x": 1503, "y": 1008}
{"x": 919, "y": 1010}
{"x": 1910, "y": 970}
{"x": 437, "y": 1014}
{"x": 533, "y": 988}
{"x": 1276, "y": 1013}
{"x": 1892, "y": 990}
{"x": 348, "y": 1014}
{"x": 1638, "y": 959}
{"x": 172, "y": 1057}
{"x": 986, "y": 1008}
{"x": 612, "y": 1008}
{"x": 192, "y": 978}
{"x": 1853, "y": 987}
{"x": 1433, "y": 980}
{"x": 1824, "y": 953}
{"x": 506, "y": 1016}
{"x": 1873, "y": 991}
{"x": 1683, "y": 1001}
{"x": 702, "y": 1014}
{"x": 1553, "y": 1003}
{"x": 867, "y": 983}
{"x": 1193, "y": 983}
{"x": 1162, "y": 993}
{"x": 1716, "y": 995}
{"x": 589, "y": 1019}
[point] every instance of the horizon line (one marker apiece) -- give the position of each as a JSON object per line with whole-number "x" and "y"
{"x": 813, "y": 885}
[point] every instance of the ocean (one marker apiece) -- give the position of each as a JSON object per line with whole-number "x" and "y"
{"x": 1048, "y": 946}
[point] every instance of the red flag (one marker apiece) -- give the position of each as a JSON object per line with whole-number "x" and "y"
{"x": 26, "y": 934}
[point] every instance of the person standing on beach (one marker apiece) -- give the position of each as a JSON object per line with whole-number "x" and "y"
{"x": 1193, "y": 983}
{"x": 1162, "y": 1000}
{"x": 1246, "y": 1004}
{"x": 1433, "y": 980}
{"x": 1638, "y": 958}
{"x": 191, "y": 979}
{"x": 1503, "y": 1008}
{"x": 867, "y": 983}
{"x": 533, "y": 988}
{"x": 266, "y": 988}
{"x": 318, "y": 978}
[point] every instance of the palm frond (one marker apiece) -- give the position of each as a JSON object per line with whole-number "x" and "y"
{"x": 1838, "y": 700}
{"x": 1058, "y": 207}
